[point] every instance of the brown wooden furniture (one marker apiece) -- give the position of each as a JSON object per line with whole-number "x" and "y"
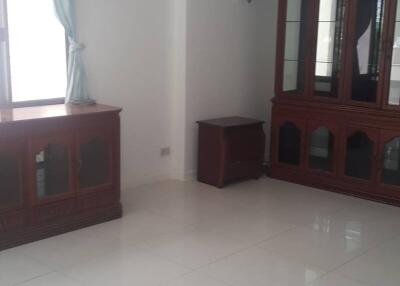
{"x": 59, "y": 170}
{"x": 336, "y": 114}
{"x": 230, "y": 149}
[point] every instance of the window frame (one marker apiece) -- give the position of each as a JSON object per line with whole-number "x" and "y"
{"x": 6, "y": 100}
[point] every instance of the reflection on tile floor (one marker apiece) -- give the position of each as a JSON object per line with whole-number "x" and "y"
{"x": 266, "y": 233}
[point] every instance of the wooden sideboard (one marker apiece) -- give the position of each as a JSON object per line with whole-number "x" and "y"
{"x": 59, "y": 170}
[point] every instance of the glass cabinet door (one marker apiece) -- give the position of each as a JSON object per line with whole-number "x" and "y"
{"x": 328, "y": 57}
{"x": 360, "y": 155}
{"x": 10, "y": 177}
{"x": 295, "y": 46}
{"x": 52, "y": 167}
{"x": 95, "y": 159}
{"x": 321, "y": 150}
{"x": 290, "y": 141}
{"x": 391, "y": 163}
{"x": 394, "y": 84}
{"x": 52, "y": 170}
{"x": 366, "y": 49}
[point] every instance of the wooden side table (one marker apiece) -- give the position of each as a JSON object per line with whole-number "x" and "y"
{"x": 230, "y": 149}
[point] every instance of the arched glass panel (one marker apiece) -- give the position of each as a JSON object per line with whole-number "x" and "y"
{"x": 391, "y": 163}
{"x": 94, "y": 163}
{"x": 9, "y": 180}
{"x": 52, "y": 171}
{"x": 359, "y": 156}
{"x": 320, "y": 153}
{"x": 289, "y": 144}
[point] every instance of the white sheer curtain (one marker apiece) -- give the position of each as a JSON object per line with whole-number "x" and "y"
{"x": 77, "y": 92}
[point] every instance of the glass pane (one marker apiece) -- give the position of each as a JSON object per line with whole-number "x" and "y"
{"x": 321, "y": 150}
{"x": 367, "y": 49}
{"x": 394, "y": 91}
{"x": 9, "y": 178}
{"x": 94, "y": 163}
{"x": 290, "y": 75}
{"x": 38, "y": 58}
{"x": 289, "y": 144}
{"x": 4, "y": 86}
{"x": 329, "y": 47}
{"x": 293, "y": 10}
{"x": 291, "y": 42}
{"x": 52, "y": 171}
{"x": 294, "y": 46}
{"x": 359, "y": 156}
{"x": 391, "y": 163}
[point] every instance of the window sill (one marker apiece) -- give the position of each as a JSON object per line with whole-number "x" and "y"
{"x": 33, "y": 103}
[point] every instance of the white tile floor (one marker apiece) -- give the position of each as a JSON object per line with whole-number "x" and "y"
{"x": 257, "y": 233}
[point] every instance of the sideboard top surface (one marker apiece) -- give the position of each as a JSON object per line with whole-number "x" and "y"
{"x": 9, "y": 115}
{"x": 231, "y": 122}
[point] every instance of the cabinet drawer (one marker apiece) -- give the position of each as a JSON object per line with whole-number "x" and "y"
{"x": 50, "y": 211}
{"x": 97, "y": 199}
{"x": 12, "y": 221}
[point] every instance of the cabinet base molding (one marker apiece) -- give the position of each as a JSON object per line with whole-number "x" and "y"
{"x": 13, "y": 238}
{"x": 331, "y": 185}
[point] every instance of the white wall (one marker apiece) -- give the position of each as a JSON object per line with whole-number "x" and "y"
{"x": 230, "y": 63}
{"x": 267, "y": 17}
{"x": 128, "y": 60}
{"x": 169, "y": 63}
{"x": 178, "y": 98}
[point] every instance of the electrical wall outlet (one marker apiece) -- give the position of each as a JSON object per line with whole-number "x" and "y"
{"x": 165, "y": 151}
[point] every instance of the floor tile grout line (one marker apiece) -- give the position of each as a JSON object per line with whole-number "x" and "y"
{"x": 235, "y": 253}
{"x": 50, "y": 273}
{"x": 338, "y": 274}
{"x": 194, "y": 272}
{"x": 35, "y": 277}
{"x": 258, "y": 243}
{"x": 330, "y": 271}
{"x": 214, "y": 261}
{"x": 211, "y": 262}
{"x": 202, "y": 268}
{"x": 366, "y": 251}
{"x": 244, "y": 206}
{"x": 177, "y": 278}
{"x": 297, "y": 260}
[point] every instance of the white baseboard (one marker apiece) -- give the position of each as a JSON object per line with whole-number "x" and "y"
{"x": 134, "y": 183}
{"x": 137, "y": 182}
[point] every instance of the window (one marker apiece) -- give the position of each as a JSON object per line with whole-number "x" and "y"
{"x": 33, "y": 61}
